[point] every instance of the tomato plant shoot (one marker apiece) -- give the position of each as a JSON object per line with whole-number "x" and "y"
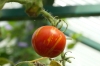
{"x": 48, "y": 41}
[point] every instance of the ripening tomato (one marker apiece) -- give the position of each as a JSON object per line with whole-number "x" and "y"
{"x": 48, "y": 41}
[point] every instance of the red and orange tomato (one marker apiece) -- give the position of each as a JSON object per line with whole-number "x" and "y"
{"x": 48, "y": 41}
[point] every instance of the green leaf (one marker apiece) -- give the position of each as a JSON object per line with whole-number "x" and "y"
{"x": 4, "y": 61}
{"x": 3, "y": 32}
{"x": 72, "y": 45}
{"x": 16, "y": 23}
{"x": 76, "y": 35}
{"x": 25, "y": 63}
{"x": 12, "y": 23}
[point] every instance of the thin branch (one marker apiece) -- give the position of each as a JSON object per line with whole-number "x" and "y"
{"x": 49, "y": 17}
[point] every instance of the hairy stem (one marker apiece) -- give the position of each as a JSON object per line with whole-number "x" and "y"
{"x": 49, "y": 17}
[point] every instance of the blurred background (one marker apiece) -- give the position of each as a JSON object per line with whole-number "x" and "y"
{"x": 82, "y": 16}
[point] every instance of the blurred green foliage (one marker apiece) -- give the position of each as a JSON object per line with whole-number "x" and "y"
{"x": 3, "y": 61}
{"x": 25, "y": 63}
{"x": 74, "y": 36}
{"x": 15, "y": 40}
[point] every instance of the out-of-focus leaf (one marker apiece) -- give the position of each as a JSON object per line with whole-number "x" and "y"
{"x": 25, "y": 63}
{"x": 0, "y": 35}
{"x": 1, "y": 6}
{"x": 1, "y": 39}
{"x": 2, "y": 3}
{"x": 72, "y": 45}
{"x": 48, "y": 2}
{"x": 4, "y": 54}
{"x": 16, "y": 24}
{"x": 12, "y": 23}
{"x": 54, "y": 63}
{"x": 3, "y": 32}
{"x": 0, "y": 32}
{"x": 4, "y": 61}
{"x": 76, "y": 35}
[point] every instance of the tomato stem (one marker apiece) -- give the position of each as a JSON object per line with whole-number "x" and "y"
{"x": 54, "y": 22}
{"x": 38, "y": 59}
{"x": 63, "y": 58}
{"x": 49, "y": 17}
{"x": 66, "y": 26}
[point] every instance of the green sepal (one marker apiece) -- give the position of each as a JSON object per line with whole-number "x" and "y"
{"x": 34, "y": 8}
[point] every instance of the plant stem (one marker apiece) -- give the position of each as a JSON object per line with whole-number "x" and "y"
{"x": 49, "y": 17}
{"x": 62, "y": 56}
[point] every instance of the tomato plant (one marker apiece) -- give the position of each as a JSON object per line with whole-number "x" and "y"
{"x": 48, "y": 41}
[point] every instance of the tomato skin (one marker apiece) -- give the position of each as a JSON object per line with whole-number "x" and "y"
{"x": 48, "y": 41}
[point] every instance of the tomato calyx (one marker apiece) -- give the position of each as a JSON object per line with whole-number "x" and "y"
{"x": 59, "y": 24}
{"x": 64, "y": 58}
{"x": 54, "y": 21}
